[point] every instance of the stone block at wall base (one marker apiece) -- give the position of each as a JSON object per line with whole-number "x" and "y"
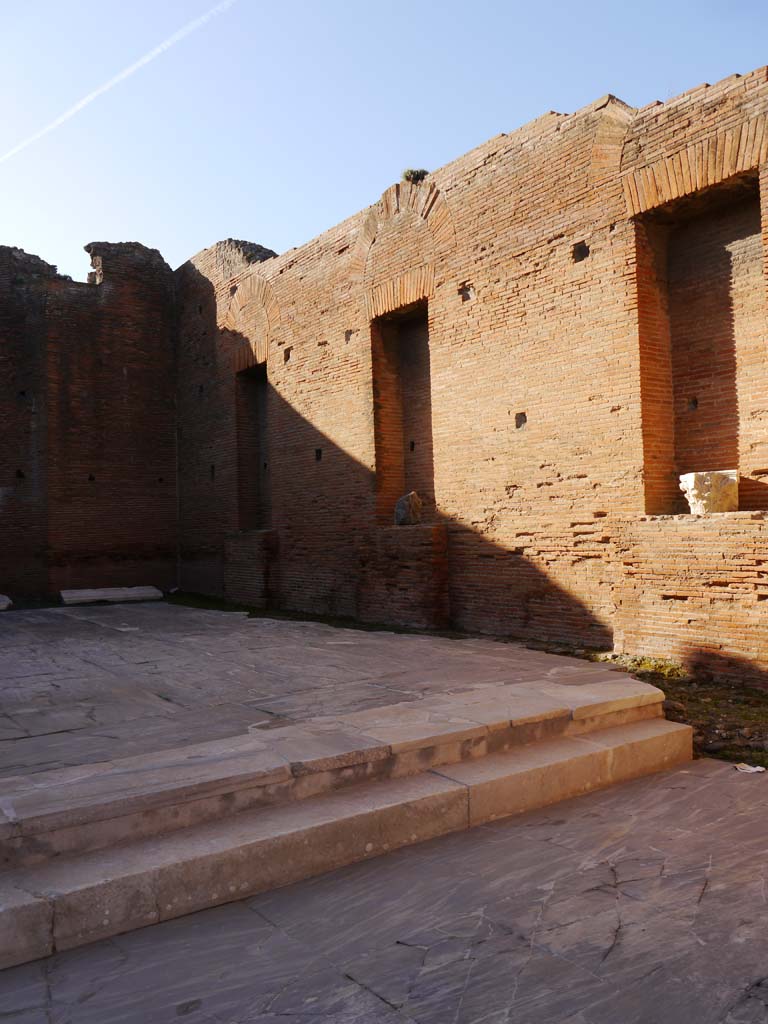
{"x": 249, "y": 558}
{"x": 403, "y": 576}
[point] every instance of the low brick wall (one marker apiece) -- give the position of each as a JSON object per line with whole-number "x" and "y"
{"x": 403, "y": 576}
{"x": 695, "y": 589}
{"x": 249, "y": 555}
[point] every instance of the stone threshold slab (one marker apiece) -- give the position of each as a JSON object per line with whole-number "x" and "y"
{"x": 74, "y": 810}
{"x": 112, "y": 595}
{"x": 76, "y": 900}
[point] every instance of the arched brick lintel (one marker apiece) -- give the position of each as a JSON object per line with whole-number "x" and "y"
{"x": 403, "y": 290}
{"x": 425, "y": 200}
{"x": 250, "y": 294}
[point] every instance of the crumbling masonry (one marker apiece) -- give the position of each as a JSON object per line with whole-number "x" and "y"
{"x": 538, "y": 338}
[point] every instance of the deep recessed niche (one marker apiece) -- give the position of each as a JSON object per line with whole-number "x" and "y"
{"x": 318, "y": 454}
{"x": 579, "y": 252}
{"x": 700, "y": 277}
{"x": 20, "y": 475}
{"x": 402, "y": 409}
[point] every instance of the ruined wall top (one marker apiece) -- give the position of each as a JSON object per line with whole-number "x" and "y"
{"x": 123, "y": 259}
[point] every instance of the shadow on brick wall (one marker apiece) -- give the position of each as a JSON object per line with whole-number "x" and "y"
{"x": 330, "y": 555}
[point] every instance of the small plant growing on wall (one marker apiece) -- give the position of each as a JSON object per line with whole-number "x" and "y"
{"x": 414, "y": 176}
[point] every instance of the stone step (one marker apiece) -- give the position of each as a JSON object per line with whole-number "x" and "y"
{"x": 75, "y": 810}
{"x": 79, "y": 899}
{"x": 111, "y": 595}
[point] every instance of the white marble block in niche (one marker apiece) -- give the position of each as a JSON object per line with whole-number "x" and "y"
{"x": 716, "y": 490}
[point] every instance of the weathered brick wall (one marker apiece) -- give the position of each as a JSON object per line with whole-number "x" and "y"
{"x": 695, "y": 589}
{"x": 91, "y": 450}
{"x": 558, "y": 307}
{"x": 507, "y": 307}
{"x": 582, "y": 279}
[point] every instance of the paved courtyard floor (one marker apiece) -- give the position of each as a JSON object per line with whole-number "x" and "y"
{"x": 643, "y": 904}
{"x": 89, "y": 684}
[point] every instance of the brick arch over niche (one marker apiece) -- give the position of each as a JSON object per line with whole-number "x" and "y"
{"x": 254, "y": 314}
{"x": 426, "y": 202}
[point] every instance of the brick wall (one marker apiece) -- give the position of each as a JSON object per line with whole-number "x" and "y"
{"x": 89, "y": 456}
{"x": 570, "y": 286}
{"x": 580, "y": 281}
{"x": 23, "y": 418}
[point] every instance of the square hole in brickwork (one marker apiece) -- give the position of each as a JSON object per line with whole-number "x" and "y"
{"x": 579, "y": 252}
{"x": 466, "y": 291}
{"x": 413, "y": 446}
{"x": 318, "y": 454}
{"x": 520, "y": 420}
{"x": 693, "y": 404}
{"x": 287, "y": 354}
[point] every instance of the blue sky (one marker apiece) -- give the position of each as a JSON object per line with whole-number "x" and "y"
{"x": 274, "y": 121}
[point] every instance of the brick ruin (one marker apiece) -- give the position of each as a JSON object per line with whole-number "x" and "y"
{"x": 539, "y": 338}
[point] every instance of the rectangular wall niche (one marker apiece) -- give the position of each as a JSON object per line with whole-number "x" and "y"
{"x": 402, "y": 404}
{"x": 701, "y": 303}
{"x": 253, "y": 491}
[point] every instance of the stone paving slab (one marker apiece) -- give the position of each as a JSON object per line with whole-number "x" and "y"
{"x": 86, "y": 684}
{"x": 644, "y": 904}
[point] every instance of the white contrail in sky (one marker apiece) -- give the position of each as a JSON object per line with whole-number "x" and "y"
{"x": 121, "y": 76}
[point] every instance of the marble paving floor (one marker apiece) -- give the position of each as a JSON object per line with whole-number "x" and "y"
{"x": 643, "y": 904}
{"x": 80, "y": 685}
